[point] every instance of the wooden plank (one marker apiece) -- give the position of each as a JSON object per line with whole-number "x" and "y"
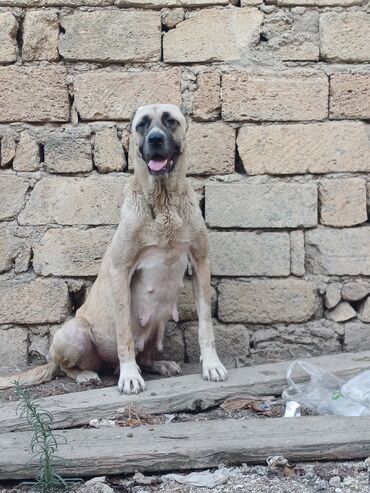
{"x": 193, "y": 445}
{"x": 176, "y": 394}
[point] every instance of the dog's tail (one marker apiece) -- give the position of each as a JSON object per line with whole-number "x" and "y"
{"x": 30, "y": 377}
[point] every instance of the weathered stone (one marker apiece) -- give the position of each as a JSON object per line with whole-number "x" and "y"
{"x": 350, "y": 96}
{"x": 213, "y": 35}
{"x": 72, "y": 201}
{"x": 7, "y": 151}
{"x": 284, "y": 96}
{"x": 133, "y": 36}
{"x": 355, "y": 290}
{"x": 343, "y": 202}
{"x": 281, "y": 342}
{"x": 27, "y": 156}
{"x": 364, "y": 311}
{"x": 232, "y": 343}
{"x": 321, "y": 147}
{"x": 338, "y": 252}
{"x": 37, "y": 301}
{"x": 248, "y": 3}
{"x": 356, "y": 337}
{"x": 345, "y": 36}
{"x": 173, "y": 344}
{"x": 249, "y": 254}
{"x": 276, "y": 205}
{"x": 170, "y": 3}
{"x": 13, "y": 346}
{"x": 40, "y": 36}
{"x": 207, "y": 97}
{"x": 210, "y": 149}
{"x": 55, "y": 3}
{"x": 6, "y": 249}
{"x": 67, "y": 153}
{"x": 332, "y": 295}
{"x": 23, "y": 257}
{"x": 186, "y": 303}
{"x": 297, "y": 254}
{"x": 101, "y": 95}
{"x": 8, "y": 41}
{"x": 71, "y": 251}
{"x": 171, "y": 17}
{"x": 13, "y": 195}
{"x": 108, "y": 151}
{"x": 289, "y": 35}
{"x": 33, "y": 94}
{"x": 341, "y": 313}
{"x": 266, "y": 301}
{"x": 319, "y": 3}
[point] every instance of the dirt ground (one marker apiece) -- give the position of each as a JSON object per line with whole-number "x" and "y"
{"x": 336, "y": 477}
{"x": 333, "y": 477}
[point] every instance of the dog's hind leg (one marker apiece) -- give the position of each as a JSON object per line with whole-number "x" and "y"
{"x": 73, "y": 350}
{"x": 147, "y": 358}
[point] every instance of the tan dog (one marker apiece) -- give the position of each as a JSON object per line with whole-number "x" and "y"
{"x": 135, "y": 294}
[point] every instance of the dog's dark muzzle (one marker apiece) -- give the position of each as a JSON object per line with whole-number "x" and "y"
{"x": 159, "y": 152}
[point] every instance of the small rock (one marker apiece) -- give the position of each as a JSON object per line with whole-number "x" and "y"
{"x": 267, "y": 9}
{"x": 171, "y": 17}
{"x": 355, "y": 290}
{"x": 335, "y": 481}
{"x": 102, "y": 423}
{"x": 298, "y": 10}
{"x": 98, "y": 479}
{"x": 96, "y": 485}
{"x": 142, "y": 480}
{"x": 332, "y": 295}
{"x": 352, "y": 483}
{"x": 364, "y": 311}
{"x": 341, "y": 312}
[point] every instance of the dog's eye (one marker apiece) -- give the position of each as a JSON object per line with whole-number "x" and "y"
{"x": 171, "y": 122}
{"x": 143, "y": 125}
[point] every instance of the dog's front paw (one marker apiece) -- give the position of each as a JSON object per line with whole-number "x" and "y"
{"x": 212, "y": 369}
{"x": 130, "y": 381}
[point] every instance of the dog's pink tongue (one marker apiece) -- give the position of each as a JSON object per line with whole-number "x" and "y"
{"x": 157, "y": 165}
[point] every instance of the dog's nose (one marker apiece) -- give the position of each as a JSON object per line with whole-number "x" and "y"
{"x": 155, "y": 139}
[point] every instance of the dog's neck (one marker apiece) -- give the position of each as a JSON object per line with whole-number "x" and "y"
{"x": 161, "y": 191}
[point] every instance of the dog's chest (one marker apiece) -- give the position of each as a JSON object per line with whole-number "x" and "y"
{"x": 155, "y": 285}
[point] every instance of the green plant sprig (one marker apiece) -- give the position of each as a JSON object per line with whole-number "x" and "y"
{"x": 44, "y": 443}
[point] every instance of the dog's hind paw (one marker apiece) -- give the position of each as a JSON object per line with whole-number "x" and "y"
{"x": 162, "y": 367}
{"x": 130, "y": 381}
{"x": 87, "y": 376}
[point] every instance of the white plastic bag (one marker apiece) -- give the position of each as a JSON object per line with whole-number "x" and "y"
{"x": 325, "y": 393}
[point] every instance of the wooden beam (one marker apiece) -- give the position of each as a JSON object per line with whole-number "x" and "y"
{"x": 192, "y": 445}
{"x": 176, "y": 394}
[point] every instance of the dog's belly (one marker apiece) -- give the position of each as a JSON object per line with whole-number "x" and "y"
{"x": 155, "y": 286}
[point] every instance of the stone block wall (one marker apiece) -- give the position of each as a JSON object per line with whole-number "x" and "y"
{"x": 277, "y": 94}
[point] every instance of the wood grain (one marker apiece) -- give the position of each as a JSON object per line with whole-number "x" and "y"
{"x": 176, "y": 394}
{"x": 193, "y": 445}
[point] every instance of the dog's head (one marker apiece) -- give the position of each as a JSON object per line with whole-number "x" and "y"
{"x": 159, "y": 136}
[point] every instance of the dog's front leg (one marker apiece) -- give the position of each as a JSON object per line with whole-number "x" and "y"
{"x": 212, "y": 368}
{"x": 130, "y": 380}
